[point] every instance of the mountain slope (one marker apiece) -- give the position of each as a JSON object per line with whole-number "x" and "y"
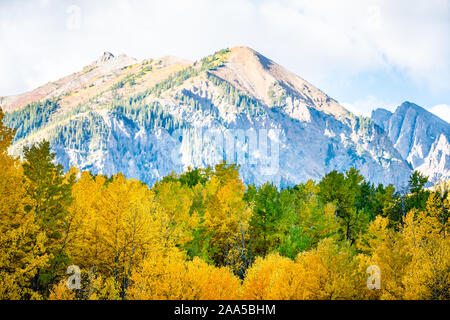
{"x": 148, "y": 118}
{"x": 106, "y": 66}
{"x": 265, "y": 80}
{"x": 421, "y": 138}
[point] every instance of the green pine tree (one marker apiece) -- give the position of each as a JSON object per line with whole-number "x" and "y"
{"x": 50, "y": 191}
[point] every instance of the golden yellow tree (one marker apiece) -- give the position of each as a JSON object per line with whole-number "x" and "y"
{"x": 330, "y": 272}
{"x": 273, "y": 277}
{"x": 177, "y": 220}
{"x": 387, "y": 249}
{"x": 226, "y": 220}
{"x": 428, "y": 274}
{"x": 116, "y": 224}
{"x": 211, "y": 283}
{"x": 84, "y": 245}
{"x": 61, "y": 292}
{"x": 22, "y": 250}
{"x": 161, "y": 276}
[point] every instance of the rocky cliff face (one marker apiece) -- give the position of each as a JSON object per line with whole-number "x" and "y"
{"x": 420, "y": 137}
{"x": 148, "y": 118}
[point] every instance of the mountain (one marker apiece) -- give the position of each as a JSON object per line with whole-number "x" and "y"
{"x": 421, "y": 138}
{"x": 149, "y": 118}
{"x": 106, "y": 66}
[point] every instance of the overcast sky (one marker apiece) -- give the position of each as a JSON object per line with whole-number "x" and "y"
{"x": 365, "y": 54}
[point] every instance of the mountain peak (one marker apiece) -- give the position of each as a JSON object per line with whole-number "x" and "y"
{"x": 407, "y": 106}
{"x": 244, "y": 53}
{"x": 420, "y": 136}
{"x": 381, "y": 116}
{"x": 264, "y": 79}
{"x": 410, "y": 105}
{"x": 243, "y": 50}
{"x": 105, "y": 57}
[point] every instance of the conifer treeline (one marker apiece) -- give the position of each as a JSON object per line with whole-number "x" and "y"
{"x": 205, "y": 235}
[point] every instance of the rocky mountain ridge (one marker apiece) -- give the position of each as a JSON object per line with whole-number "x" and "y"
{"x": 149, "y": 118}
{"x": 421, "y": 138}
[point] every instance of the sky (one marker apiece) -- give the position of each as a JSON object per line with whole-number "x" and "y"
{"x": 365, "y": 54}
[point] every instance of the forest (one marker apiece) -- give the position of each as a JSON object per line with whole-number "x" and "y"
{"x": 204, "y": 234}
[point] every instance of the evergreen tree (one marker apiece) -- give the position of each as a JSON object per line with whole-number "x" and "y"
{"x": 418, "y": 197}
{"x": 267, "y": 212}
{"x": 50, "y": 194}
{"x": 343, "y": 191}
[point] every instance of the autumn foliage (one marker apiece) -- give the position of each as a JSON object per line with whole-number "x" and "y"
{"x": 205, "y": 235}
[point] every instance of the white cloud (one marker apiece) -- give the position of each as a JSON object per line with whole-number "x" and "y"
{"x": 356, "y": 36}
{"x": 318, "y": 40}
{"x": 442, "y": 111}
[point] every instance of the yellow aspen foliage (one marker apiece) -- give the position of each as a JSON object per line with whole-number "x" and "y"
{"x": 61, "y": 292}
{"x": 22, "y": 250}
{"x": 211, "y": 283}
{"x": 330, "y": 272}
{"x": 176, "y": 201}
{"x": 161, "y": 276}
{"x": 387, "y": 249}
{"x": 118, "y": 222}
{"x": 84, "y": 245}
{"x": 122, "y": 206}
{"x": 287, "y": 282}
{"x": 107, "y": 289}
{"x": 273, "y": 277}
{"x": 95, "y": 286}
{"x": 420, "y": 229}
{"x": 428, "y": 274}
{"x": 226, "y": 219}
{"x": 166, "y": 275}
